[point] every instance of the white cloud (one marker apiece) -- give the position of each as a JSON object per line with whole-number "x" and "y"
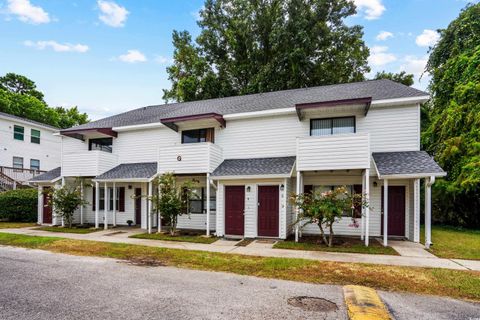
{"x": 113, "y": 14}
{"x": 132, "y": 56}
{"x": 27, "y": 12}
{"x": 384, "y": 35}
{"x": 380, "y": 56}
{"x": 163, "y": 60}
{"x": 58, "y": 47}
{"x": 427, "y": 38}
{"x": 372, "y": 9}
{"x": 415, "y": 65}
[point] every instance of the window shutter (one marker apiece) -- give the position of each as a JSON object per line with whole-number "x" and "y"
{"x": 94, "y": 198}
{"x": 307, "y": 188}
{"x": 121, "y": 199}
{"x": 102, "y": 201}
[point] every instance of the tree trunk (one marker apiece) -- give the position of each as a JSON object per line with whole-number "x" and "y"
{"x": 330, "y": 236}
{"x": 322, "y": 233}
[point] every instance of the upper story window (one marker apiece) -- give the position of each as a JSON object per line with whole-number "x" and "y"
{"x": 34, "y": 164}
{"x": 18, "y": 132}
{"x": 18, "y": 162}
{"x": 329, "y": 126}
{"x": 102, "y": 144}
{"x": 198, "y": 135}
{"x": 35, "y": 136}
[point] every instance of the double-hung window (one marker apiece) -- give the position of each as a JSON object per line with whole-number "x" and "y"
{"x": 198, "y": 135}
{"x": 329, "y": 126}
{"x": 35, "y": 136}
{"x": 34, "y": 164}
{"x": 18, "y": 162}
{"x": 18, "y": 132}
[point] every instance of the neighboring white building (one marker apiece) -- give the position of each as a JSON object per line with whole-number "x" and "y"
{"x": 27, "y": 148}
{"x": 248, "y": 153}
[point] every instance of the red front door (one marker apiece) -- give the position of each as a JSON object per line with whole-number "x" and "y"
{"x": 234, "y": 210}
{"x": 268, "y": 211}
{"x": 396, "y": 211}
{"x": 47, "y": 210}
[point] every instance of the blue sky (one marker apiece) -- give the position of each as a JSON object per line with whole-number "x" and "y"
{"x": 110, "y": 56}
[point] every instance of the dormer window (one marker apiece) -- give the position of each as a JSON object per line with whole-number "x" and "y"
{"x": 102, "y": 144}
{"x": 198, "y": 135}
{"x": 329, "y": 126}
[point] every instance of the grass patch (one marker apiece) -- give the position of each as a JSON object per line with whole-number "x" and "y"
{"x": 341, "y": 244}
{"x": 8, "y": 225}
{"x": 80, "y": 230}
{"x": 452, "y": 283}
{"x": 181, "y": 237}
{"x": 454, "y": 243}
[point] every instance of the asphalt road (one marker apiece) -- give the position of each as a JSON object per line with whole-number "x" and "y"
{"x": 41, "y": 285}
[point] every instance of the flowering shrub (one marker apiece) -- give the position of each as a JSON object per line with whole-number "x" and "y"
{"x": 326, "y": 208}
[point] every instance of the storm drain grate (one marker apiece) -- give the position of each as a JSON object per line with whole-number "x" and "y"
{"x": 313, "y": 304}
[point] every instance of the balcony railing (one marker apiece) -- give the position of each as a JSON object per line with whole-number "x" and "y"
{"x": 190, "y": 158}
{"x": 20, "y": 174}
{"x": 87, "y": 163}
{"x": 333, "y": 152}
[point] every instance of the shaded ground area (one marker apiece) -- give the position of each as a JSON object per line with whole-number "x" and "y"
{"x": 340, "y": 244}
{"x": 7, "y": 225}
{"x": 454, "y": 243}
{"x": 74, "y": 229}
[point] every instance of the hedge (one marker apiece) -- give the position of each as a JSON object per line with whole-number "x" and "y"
{"x": 19, "y": 205}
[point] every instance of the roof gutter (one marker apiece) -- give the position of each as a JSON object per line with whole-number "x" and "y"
{"x": 261, "y": 176}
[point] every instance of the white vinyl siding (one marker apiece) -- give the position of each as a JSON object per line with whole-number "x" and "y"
{"x": 87, "y": 163}
{"x": 190, "y": 158}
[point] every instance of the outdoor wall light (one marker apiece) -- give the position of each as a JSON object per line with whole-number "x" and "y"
{"x": 249, "y": 188}
{"x": 282, "y": 187}
{"x": 375, "y": 184}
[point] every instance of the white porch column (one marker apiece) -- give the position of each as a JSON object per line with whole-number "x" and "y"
{"x": 105, "y": 206}
{"x": 63, "y": 185}
{"x": 149, "y": 208}
{"x": 385, "y": 212}
{"x": 208, "y": 204}
{"x": 114, "y": 213}
{"x": 81, "y": 196}
{"x": 159, "y": 217}
{"x": 97, "y": 203}
{"x": 297, "y": 209}
{"x": 416, "y": 210}
{"x": 428, "y": 211}
{"x": 367, "y": 209}
{"x": 40, "y": 205}
{"x": 362, "y": 211}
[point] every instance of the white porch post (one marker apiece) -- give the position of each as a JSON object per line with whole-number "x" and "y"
{"x": 149, "y": 208}
{"x": 63, "y": 184}
{"x": 114, "y": 213}
{"x": 40, "y": 205}
{"x": 159, "y": 217}
{"x": 367, "y": 209}
{"x": 208, "y": 204}
{"x": 385, "y": 212}
{"x": 97, "y": 203}
{"x": 428, "y": 211}
{"x": 105, "y": 207}
{"x": 81, "y": 196}
{"x": 416, "y": 210}
{"x": 362, "y": 211}
{"x": 297, "y": 209}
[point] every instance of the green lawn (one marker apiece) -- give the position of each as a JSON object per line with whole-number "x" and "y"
{"x": 68, "y": 230}
{"x": 350, "y": 245}
{"x": 7, "y": 225}
{"x": 454, "y": 243}
{"x": 452, "y": 283}
{"x": 181, "y": 238}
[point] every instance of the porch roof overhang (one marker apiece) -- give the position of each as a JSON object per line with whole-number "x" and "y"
{"x": 406, "y": 165}
{"x": 256, "y": 168}
{"x": 172, "y": 123}
{"x": 80, "y": 133}
{"x": 51, "y": 176}
{"x": 364, "y": 103}
{"x": 129, "y": 172}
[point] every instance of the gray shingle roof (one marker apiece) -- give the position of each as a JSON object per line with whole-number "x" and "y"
{"x": 144, "y": 170}
{"x": 406, "y": 163}
{"x": 48, "y": 176}
{"x": 253, "y": 167}
{"x": 376, "y": 89}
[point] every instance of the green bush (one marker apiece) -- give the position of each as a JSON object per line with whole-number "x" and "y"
{"x": 19, "y": 205}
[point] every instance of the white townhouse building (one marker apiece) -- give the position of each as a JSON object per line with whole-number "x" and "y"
{"x": 27, "y": 148}
{"x": 249, "y": 153}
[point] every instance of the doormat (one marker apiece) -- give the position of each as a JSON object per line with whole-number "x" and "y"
{"x": 244, "y": 243}
{"x": 267, "y": 241}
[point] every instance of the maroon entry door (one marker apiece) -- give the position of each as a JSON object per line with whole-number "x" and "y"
{"x": 47, "y": 210}
{"x": 396, "y": 210}
{"x": 268, "y": 211}
{"x": 234, "y": 210}
{"x": 138, "y": 206}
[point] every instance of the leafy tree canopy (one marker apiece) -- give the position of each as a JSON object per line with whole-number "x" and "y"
{"x": 453, "y": 134}
{"x": 19, "y": 96}
{"x": 251, "y": 46}
{"x": 401, "y": 77}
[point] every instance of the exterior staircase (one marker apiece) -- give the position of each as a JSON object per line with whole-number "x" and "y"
{"x": 7, "y": 183}
{"x": 16, "y": 178}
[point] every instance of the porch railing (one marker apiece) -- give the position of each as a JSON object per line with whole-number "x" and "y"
{"x": 17, "y": 176}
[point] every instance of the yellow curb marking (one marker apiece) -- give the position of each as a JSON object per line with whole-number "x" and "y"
{"x": 363, "y": 303}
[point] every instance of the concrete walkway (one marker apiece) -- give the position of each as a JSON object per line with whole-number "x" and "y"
{"x": 259, "y": 249}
